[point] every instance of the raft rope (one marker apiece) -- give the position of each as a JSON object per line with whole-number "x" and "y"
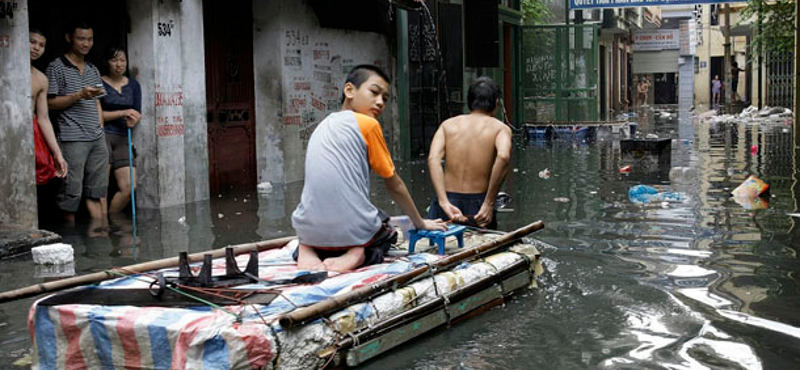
{"x": 445, "y": 300}
{"x": 176, "y": 290}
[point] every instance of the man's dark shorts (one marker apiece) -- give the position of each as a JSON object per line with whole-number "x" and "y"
{"x": 469, "y": 204}
{"x": 87, "y": 175}
{"x": 374, "y": 250}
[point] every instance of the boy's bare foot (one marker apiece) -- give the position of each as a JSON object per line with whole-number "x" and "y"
{"x": 307, "y": 259}
{"x": 352, "y": 259}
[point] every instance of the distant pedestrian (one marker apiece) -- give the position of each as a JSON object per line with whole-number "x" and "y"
{"x": 716, "y": 89}
{"x": 477, "y": 149}
{"x": 641, "y": 91}
{"x": 122, "y": 107}
{"x": 49, "y": 160}
{"x": 75, "y": 85}
{"x": 735, "y": 71}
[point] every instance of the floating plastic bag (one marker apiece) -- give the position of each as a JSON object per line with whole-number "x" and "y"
{"x": 642, "y": 194}
{"x": 750, "y": 188}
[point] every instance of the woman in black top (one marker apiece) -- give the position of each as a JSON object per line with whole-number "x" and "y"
{"x": 122, "y": 107}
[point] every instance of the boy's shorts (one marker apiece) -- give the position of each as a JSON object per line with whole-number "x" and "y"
{"x": 87, "y": 174}
{"x": 374, "y": 250}
{"x": 469, "y": 204}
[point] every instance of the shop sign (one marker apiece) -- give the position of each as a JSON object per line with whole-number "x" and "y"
{"x": 655, "y": 40}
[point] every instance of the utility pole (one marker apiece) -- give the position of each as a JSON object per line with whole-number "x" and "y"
{"x": 566, "y": 12}
{"x": 726, "y": 64}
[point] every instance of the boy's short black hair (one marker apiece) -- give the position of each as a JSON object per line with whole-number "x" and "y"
{"x": 37, "y": 31}
{"x": 483, "y": 95}
{"x": 362, "y": 72}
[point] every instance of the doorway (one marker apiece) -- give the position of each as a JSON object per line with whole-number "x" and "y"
{"x": 716, "y": 70}
{"x": 665, "y": 88}
{"x": 230, "y": 95}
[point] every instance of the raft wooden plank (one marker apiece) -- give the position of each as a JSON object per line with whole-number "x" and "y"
{"x": 361, "y": 353}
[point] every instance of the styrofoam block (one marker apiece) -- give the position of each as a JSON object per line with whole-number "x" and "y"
{"x": 52, "y": 254}
{"x": 54, "y": 271}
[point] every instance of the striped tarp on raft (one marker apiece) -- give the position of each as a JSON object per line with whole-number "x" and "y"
{"x": 128, "y": 337}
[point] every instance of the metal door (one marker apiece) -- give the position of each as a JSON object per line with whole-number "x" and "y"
{"x": 559, "y": 73}
{"x": 230, "y": 96}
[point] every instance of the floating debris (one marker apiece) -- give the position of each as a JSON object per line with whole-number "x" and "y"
{"x": 544, "y": 174}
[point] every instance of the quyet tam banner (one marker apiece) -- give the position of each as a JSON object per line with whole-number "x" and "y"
{"x": 594, "y": 4}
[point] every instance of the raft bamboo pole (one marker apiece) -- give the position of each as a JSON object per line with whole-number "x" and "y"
{"x": 303, "y": 315}
{"x": 114, "y": 272}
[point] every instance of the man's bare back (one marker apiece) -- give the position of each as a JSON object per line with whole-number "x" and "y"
{"x": 470, "y": 149}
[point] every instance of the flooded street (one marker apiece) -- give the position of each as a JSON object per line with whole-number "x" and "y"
{"x": 704, "y": 283}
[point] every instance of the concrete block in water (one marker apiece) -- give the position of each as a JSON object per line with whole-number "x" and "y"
{"x": 52, "y": 254}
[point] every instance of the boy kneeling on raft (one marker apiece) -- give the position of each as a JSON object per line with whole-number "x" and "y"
{"x": 339, "y": 229}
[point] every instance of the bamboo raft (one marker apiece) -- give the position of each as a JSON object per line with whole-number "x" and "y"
{"x": 345, "y": 320}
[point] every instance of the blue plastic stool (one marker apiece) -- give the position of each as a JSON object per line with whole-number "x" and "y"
{"x": 436, "y": 236}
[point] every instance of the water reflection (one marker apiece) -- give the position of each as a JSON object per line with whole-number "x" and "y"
{"x": 702, "y": 283}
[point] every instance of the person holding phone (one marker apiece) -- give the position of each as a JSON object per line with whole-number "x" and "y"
{"x": 73, "y": 94}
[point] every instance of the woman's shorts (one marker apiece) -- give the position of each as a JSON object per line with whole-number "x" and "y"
{"x": 118, "y": 151}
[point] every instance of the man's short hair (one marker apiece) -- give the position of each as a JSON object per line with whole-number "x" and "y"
{"x": 81, "y": 24}
{"x": 361, "y": 73}
{"x": 483, "y": 95}
{"x": 34, "y": 30}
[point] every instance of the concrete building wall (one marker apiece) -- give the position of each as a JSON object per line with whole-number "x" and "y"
{"x": 299, "y": 73}
{"x": 17, "y": 164}
{"x": 167, "y": 58}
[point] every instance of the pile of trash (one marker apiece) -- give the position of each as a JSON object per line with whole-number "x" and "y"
{"x": 771, "y": 113}
{"x": 750, "y": 115}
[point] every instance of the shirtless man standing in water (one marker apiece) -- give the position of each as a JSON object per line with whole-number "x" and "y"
{"x": 39, "y": 102}
{"x": 477, "y": 149}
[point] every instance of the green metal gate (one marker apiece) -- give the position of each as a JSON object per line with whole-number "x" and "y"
{"x": 559, "y": 73}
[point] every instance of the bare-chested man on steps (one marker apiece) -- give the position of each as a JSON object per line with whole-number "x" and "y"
{"x": 477, "y": 150}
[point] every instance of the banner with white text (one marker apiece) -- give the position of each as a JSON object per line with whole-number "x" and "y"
{"x": 595, "y": 4}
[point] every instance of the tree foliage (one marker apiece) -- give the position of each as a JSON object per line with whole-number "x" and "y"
{"x": 777, "y": 27}
{"x": 535, "y": 11}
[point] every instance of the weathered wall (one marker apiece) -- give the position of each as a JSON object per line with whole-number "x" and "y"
{"x": 299, "y": 73}
{"x": 17, "y": 165}
{"x": 166, "y": 54}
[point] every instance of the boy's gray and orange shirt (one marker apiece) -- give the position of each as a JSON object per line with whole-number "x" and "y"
{"x": 334, "y": 209}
